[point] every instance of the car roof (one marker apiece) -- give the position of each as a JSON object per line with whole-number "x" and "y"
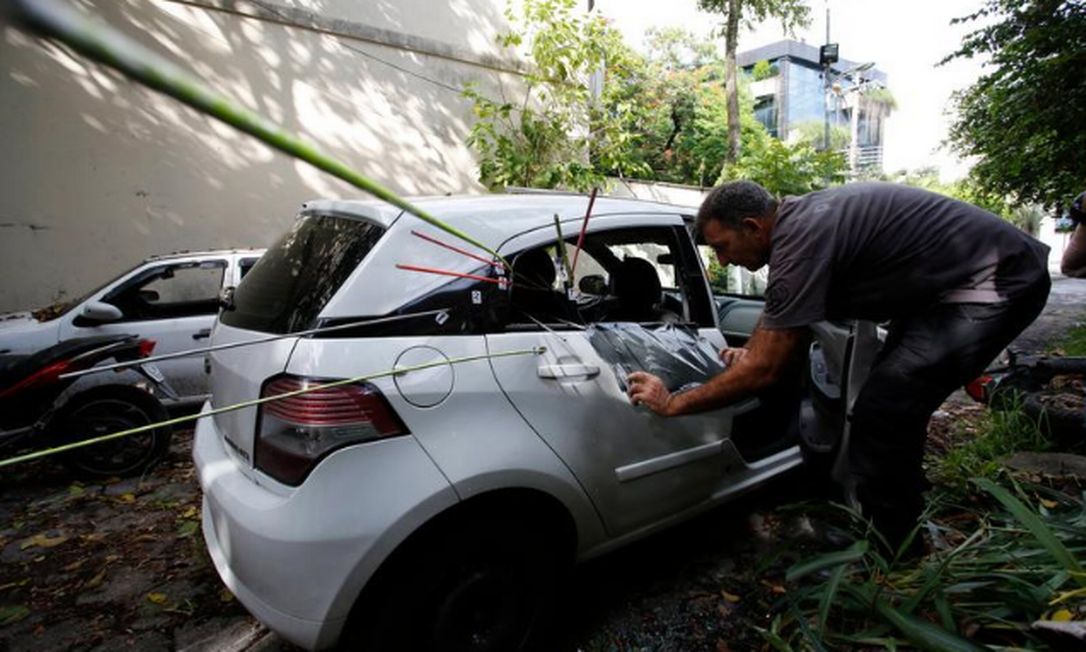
{"x": 200, "y": 254}
{"x": 509, "y": 213}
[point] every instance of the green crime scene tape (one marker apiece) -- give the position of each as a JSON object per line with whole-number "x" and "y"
{"x": 106, "y": 45}
{"x": 267, "y": 399}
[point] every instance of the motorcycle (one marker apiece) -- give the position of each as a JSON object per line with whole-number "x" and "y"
{"x": 39, "y": 409}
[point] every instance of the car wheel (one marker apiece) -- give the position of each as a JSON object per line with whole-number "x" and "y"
{"x": 475, "y": 586}
{"x": 104, "y": 410}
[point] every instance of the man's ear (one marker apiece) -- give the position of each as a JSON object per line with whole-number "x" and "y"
{"x": 753, "y": 225}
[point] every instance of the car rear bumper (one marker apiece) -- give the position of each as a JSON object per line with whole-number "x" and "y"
{"x": 298, "y": 558}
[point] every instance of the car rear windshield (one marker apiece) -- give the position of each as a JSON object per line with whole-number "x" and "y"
{"x": 290, "y": 285}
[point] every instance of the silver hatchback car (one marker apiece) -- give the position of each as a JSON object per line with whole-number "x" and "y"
{"x": 433, "y": 507}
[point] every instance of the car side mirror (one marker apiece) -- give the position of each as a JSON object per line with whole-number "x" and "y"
{"x": 100, "y": 312}
{"x": 593, "y": 284}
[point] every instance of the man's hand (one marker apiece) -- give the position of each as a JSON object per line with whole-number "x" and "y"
{"x": 731, "y": 356}
{"x": 648, "y": 390}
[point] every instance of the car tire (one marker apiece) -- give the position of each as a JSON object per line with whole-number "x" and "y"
{"x": 478, "y": 585}
{"x": 105, "y": 410}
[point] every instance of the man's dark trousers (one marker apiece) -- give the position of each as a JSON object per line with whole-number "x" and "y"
{"x": 924, "y": 359}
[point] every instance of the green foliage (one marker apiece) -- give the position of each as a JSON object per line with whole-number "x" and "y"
{"x": 674, "y": 48}
{"x": 681, "y": 134}
{"x": 764, "y": 70}
{"x": 813, "y": 132}
{"x": 790, "y": 13}
{"x": 879, "y": 96}
{"x": 1000, "y": 565}
{"x": 556, "y": 133}
{"x": 1075, "y": 341}
{"x": 1025, "y": 216}
{"x": 1023, "y": 121}
{"x": 787, "y": 169}
{"x": 980, "y": 449}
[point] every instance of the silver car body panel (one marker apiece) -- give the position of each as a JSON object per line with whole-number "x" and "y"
{"x": 298, "y": 557}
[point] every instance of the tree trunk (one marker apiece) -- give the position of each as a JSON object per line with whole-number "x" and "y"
{"x": 731, "y": 84}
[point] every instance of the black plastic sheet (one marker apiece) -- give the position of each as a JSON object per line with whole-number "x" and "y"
{"x": 680, "y": 357}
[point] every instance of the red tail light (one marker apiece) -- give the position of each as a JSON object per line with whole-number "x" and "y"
{"x": 40, "y": 378}
{"x": 146, "y": 348}
{"x": 296, "y": 432}
{"x": 978, "y": 388}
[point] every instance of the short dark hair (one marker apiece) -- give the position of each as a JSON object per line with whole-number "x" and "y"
{"x": 732, "y": 201}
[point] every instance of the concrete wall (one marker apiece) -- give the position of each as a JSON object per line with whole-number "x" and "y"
{"x": 99, "y": 172}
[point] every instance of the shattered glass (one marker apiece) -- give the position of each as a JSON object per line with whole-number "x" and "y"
{"x": 676, "y": 354}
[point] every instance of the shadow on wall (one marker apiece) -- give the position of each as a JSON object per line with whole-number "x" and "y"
{"x": 108, "y": 172}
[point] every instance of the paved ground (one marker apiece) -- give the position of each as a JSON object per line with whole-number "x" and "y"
{"x": 121, "y": 565}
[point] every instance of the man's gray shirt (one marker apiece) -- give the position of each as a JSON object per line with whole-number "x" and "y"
{"x": 880, "y": 251}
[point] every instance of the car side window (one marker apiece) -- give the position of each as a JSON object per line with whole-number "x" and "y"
{"x": 245, "y": 264}
{"x": 642, "y": 275}
{"x": 171, "y": 291}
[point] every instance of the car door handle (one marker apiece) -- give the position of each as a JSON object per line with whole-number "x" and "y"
{"x": 202, "y": 335}
{"x": 569, "y": 371}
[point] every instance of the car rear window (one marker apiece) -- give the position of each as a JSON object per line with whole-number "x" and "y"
{"x": 290, "y": 285}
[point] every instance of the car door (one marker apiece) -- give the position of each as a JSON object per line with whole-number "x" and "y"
{"x": 174, "y": 303}
{"x": 637, "y": 468}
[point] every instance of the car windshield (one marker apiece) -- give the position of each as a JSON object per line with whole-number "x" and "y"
{"x": 289, "y": 286}
{"x": 61, "y": 308}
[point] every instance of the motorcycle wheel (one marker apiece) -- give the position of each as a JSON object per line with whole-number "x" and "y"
{"x": 104, "y": 410}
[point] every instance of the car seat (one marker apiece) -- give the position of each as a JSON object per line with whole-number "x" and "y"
{"x": 637, "y": 287}
{"x": 532, "y": 294}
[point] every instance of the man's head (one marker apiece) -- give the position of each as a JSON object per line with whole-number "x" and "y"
{"x": 736, "y": 219}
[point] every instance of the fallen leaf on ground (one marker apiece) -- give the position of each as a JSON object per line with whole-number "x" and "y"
{"x": 92, "y": 538}
{"x": 157, "y": 598}
{"x": 12, "y": 585}
{"x": 96, "y": 580}
{"x": 125, "y": 499}
{"x": 43, "y": 540}
{"x": 730, "y": 597}
{"x": 12, "y": 614}
{"x": 76, "y": 490}
{"x": 191, "y": 512}
{"x": 225, "y": 595}
{"x": 74, "y": 565}
{"x": 144, "y": 538}
{"x": 187, "y": 529}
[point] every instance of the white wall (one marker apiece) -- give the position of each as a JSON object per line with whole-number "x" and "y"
{"x": 99, "y": 172}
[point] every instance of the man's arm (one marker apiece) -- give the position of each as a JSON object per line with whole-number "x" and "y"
{"x": 1073, "y": 263}
{"x": 768, "y": 353}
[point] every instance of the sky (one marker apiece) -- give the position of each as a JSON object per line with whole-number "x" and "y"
{"x": 904, "y": 38}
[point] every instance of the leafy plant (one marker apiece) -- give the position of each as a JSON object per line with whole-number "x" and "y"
{"x": 1074, "y": 343}
{"x": 994, "y": 573}
{"x": 977, "y": 453}
{"x": 786, "y": 169}
{"x": 557, "y": 133}
{"x": 764, "y": 70}
{"x": 1022, "y": 121}
{"x": 790, "y": 13}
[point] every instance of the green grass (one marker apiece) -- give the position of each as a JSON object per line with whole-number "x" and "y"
{"x": 978, "y": 450}
{"x": 1075, "y": 341}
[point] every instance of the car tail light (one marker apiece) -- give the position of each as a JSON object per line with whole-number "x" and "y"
{"x": 295, "y": 433}
{"x": 978, "y": 388}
